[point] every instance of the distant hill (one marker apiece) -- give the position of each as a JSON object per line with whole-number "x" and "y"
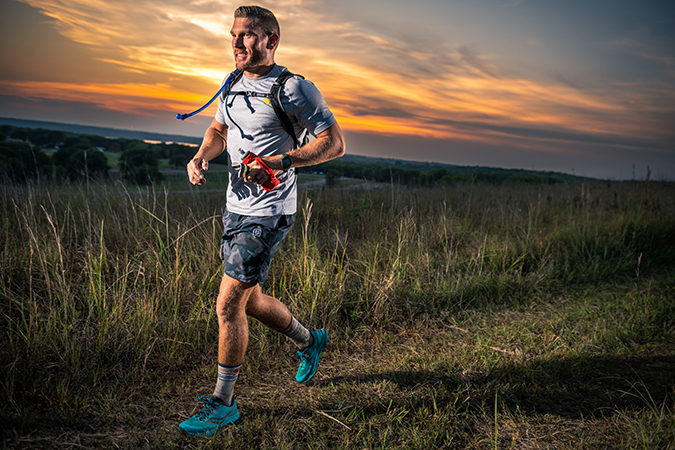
{"x": 423, "y": 167}
{"x": 451, "y": 169}
{"x": 101, "y": 131}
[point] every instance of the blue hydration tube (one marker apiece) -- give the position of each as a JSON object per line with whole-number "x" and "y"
{"x": 227, "y": 82}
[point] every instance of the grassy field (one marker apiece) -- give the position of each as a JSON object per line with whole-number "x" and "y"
{"x": 217, "y": 179}
{"x": 473, "y": 316}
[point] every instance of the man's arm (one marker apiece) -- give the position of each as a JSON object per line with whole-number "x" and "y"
{"x": 329, "y": 144}
{"x": 215, "y": 140}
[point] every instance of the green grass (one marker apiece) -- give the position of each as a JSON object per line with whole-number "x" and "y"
{"x": 524, "y": 317}
{"x": 216, "y": 179}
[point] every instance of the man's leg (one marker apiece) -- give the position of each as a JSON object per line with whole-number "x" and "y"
{"x": 275, "y": 315}
{"x": 268, "y": 310}
{"x": 232, "y": 333}
{"x": 221, "y": 408}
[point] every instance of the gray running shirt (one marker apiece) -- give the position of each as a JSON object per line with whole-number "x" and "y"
{"x": 252, "y": 126}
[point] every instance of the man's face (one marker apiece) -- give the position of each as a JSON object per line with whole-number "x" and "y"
{"x": 251, "y": 45}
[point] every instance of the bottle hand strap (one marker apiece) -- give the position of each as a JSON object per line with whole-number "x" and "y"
{"x": 273, "y": 181}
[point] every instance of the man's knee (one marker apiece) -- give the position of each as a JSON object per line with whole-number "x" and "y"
{"x": 232, "y": 298}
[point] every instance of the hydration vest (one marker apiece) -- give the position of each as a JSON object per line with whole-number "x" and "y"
{"x": 275, "y": 99}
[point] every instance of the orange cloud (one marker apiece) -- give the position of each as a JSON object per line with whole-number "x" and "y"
{"x": 391, "y": 88}
{"x": 429, "y": 107}
{"x": 130, "y": 98}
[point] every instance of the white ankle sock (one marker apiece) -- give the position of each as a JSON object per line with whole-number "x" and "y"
{"x": 227, "y": 377}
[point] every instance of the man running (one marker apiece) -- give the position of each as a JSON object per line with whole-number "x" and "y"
{"x": 257, "y": 220}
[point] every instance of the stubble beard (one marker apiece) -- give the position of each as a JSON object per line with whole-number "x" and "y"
{"x": 256, "y": 58}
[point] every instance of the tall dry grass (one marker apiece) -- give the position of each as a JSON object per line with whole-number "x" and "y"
{"x": 104, "y": 286}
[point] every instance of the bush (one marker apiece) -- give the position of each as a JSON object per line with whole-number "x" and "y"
{"x": 179, "y": 155}
{"x": 140, "y": 165}
{"x": 333, "y": 178}
{"x": 89, "y": 163}
{"x": 80, "y": 162}
{"x": 19, "y": 161}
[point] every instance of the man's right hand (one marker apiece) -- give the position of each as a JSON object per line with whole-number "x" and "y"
{"x": 194, "y": 170}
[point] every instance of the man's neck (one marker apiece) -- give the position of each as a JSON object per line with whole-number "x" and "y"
{"x": 260, "y": 71}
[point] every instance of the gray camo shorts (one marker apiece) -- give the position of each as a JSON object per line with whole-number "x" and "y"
{"x": 249, "y": 243}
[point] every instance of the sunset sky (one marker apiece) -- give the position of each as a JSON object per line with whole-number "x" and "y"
{"x": 576, "y": 86}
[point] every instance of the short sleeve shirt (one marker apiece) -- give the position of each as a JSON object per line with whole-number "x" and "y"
{"x": 252, "y": 126}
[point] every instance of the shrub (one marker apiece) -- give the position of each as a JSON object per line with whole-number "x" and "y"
{"x": 139, "y": 165}
{"x": 19, "y": 161}
{"x": 79, "y": 162}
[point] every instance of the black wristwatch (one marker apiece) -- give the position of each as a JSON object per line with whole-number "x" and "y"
{"x": 286, "y": 161}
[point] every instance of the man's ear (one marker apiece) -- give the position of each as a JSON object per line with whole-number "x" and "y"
{"x": 272, "y": 41}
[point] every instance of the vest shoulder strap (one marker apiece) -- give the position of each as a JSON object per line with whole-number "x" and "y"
{"x": 278, "y": 106}
{"x": 275, "y": 100}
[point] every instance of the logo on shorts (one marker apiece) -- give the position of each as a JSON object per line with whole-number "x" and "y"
{"x": 257, "y": 232}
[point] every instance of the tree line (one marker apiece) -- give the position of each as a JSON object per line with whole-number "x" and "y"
{"x": 28, "y": 153}
{"x": 386, "y": 173}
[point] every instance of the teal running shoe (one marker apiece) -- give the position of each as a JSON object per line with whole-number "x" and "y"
{"x": 309, "y": 358}
{"x": 212, "y": 418}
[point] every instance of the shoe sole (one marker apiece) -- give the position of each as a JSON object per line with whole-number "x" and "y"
{"x": 209, "y": 432}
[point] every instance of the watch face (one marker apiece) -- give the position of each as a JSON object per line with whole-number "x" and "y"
{"x": 286, "y": 161}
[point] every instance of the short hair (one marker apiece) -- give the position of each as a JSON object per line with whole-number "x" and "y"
{"x": 261, "y": 17}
